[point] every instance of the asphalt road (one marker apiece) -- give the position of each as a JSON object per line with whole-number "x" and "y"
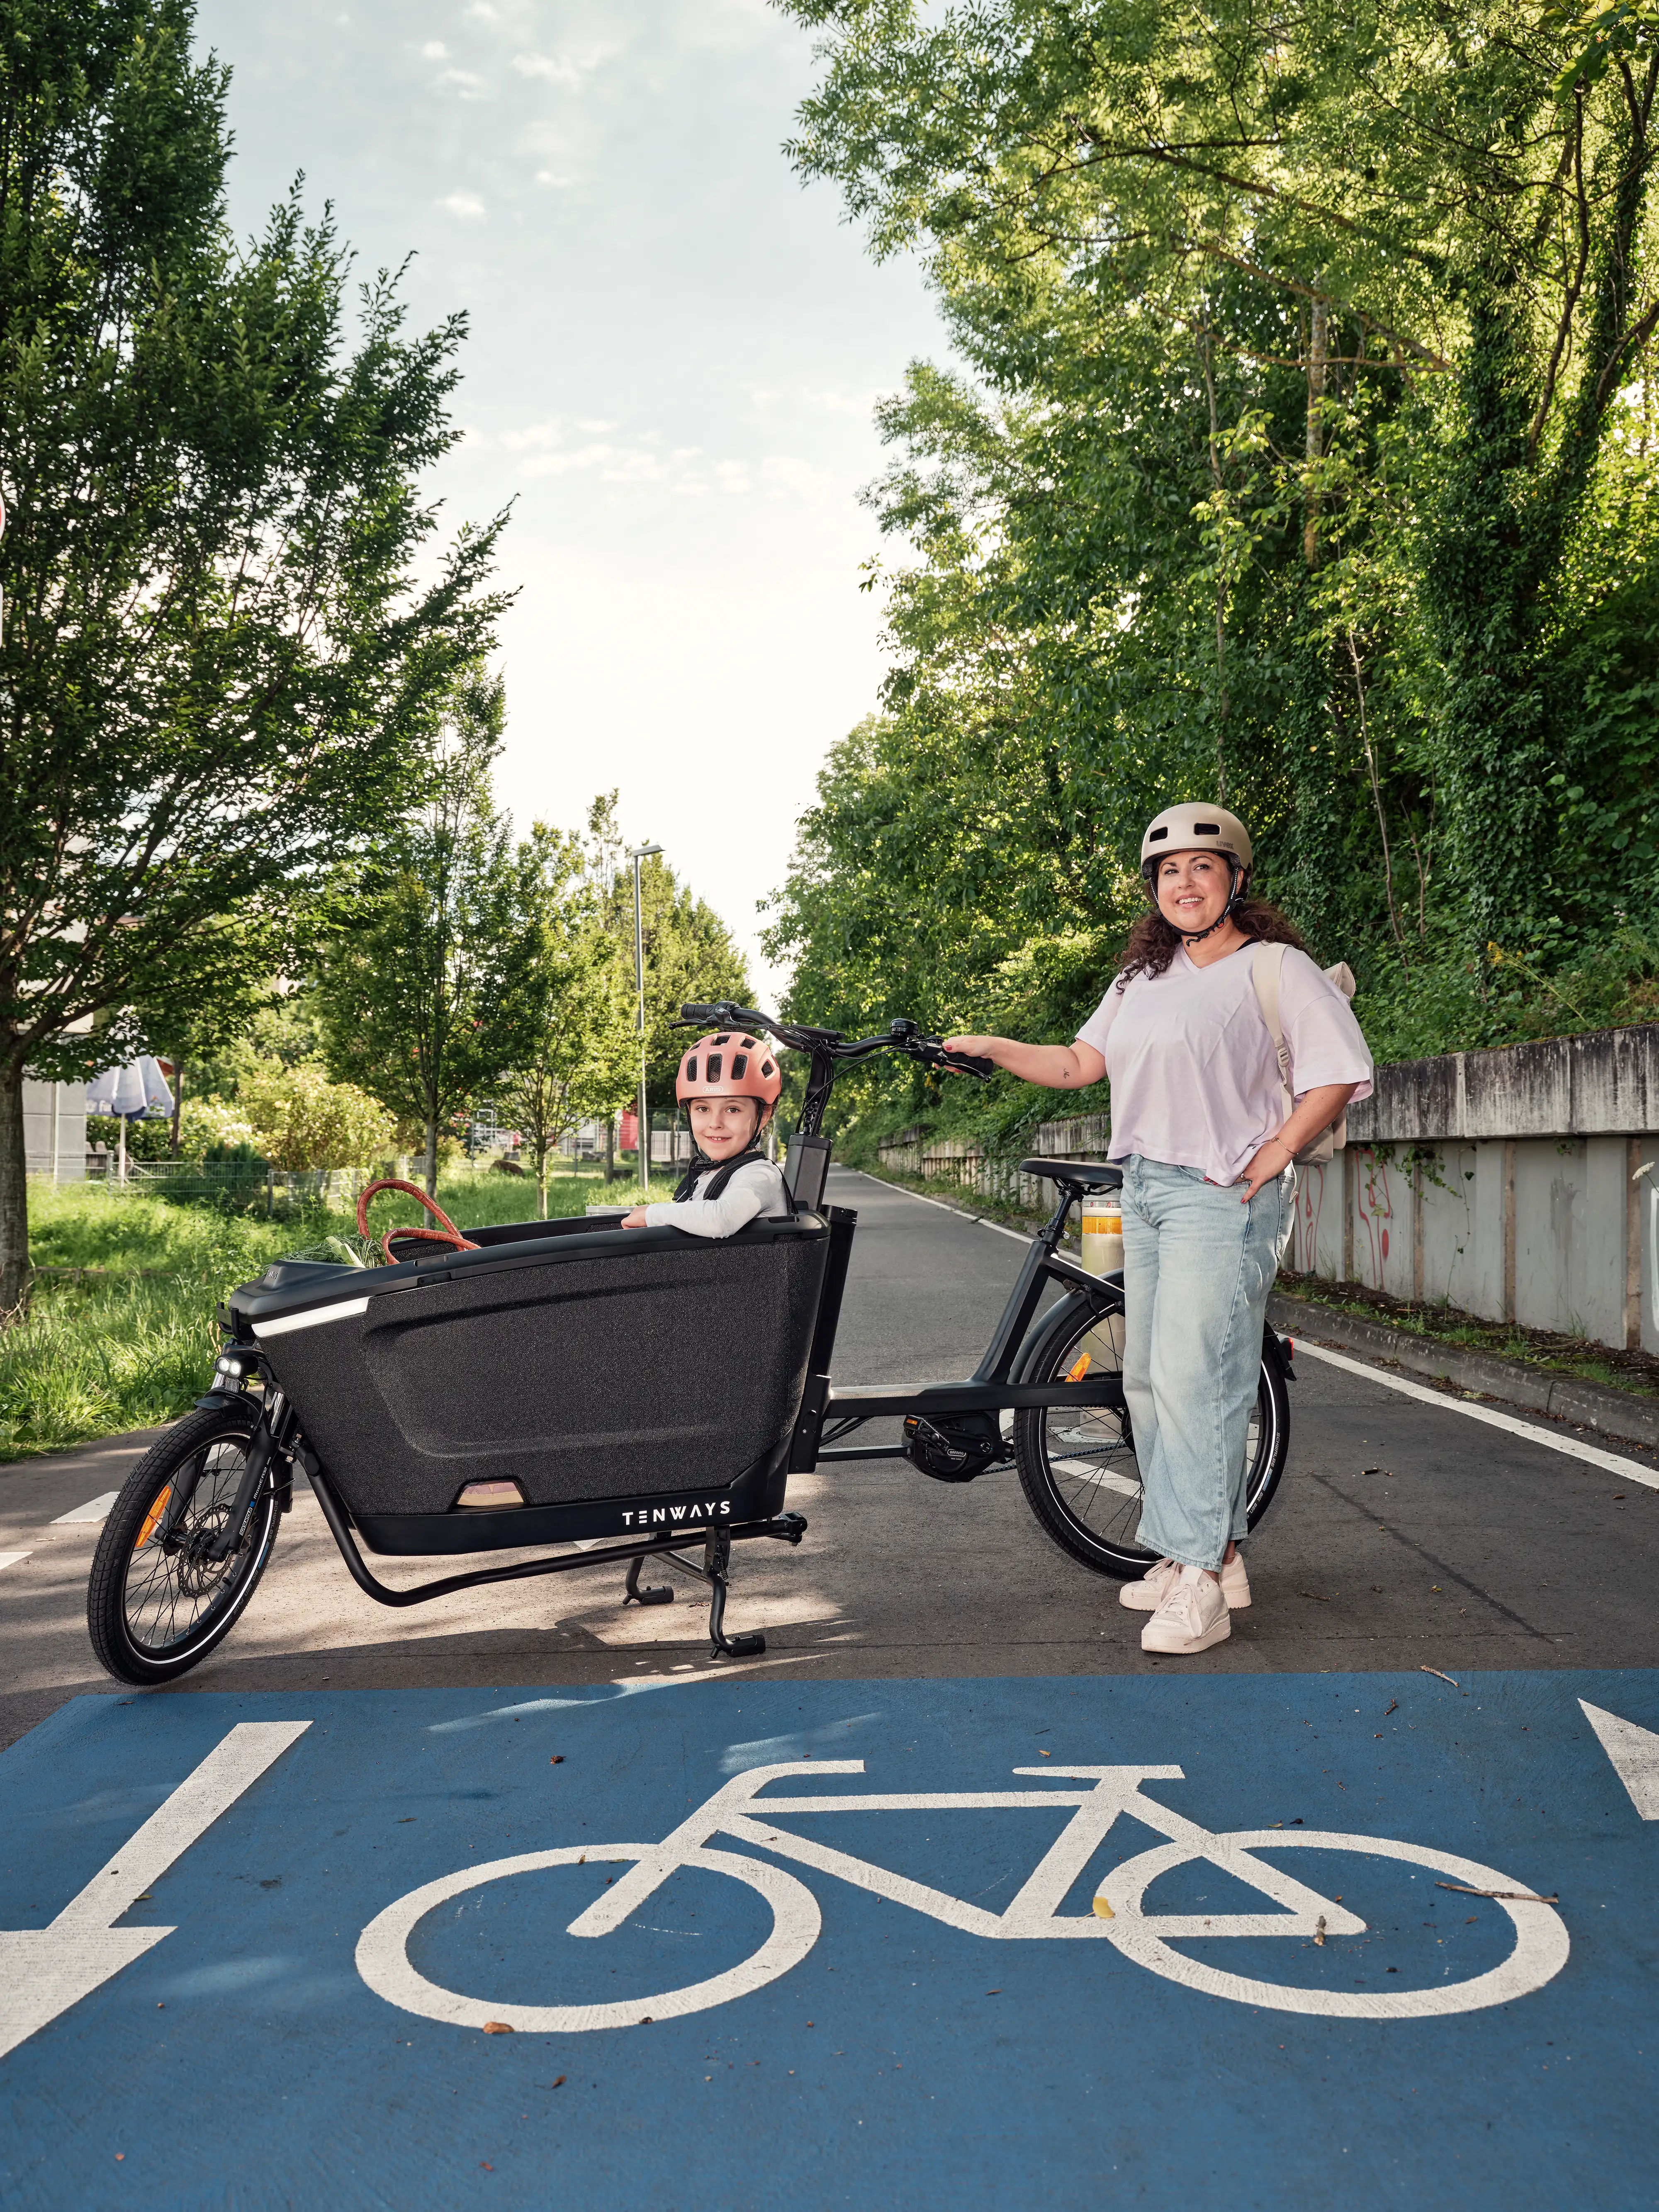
{"x": 1471, "y": 1548}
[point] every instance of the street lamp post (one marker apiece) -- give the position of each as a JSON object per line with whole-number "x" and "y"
{"x": 636, "y": 853}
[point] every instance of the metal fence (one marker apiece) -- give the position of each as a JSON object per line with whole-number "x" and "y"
{"x": 247, "y": 1186}
{"x": 961, "y": 1162}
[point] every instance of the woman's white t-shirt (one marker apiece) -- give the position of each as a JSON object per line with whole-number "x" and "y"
{"x": 1194, "y": 1073}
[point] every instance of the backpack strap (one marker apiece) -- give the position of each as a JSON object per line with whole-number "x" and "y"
{"x": 1266, "y": 966}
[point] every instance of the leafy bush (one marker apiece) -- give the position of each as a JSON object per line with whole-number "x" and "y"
{"x": 302, "y": 1120}
{"x": 208, "y": 1128}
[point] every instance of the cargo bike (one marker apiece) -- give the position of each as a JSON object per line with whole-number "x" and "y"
{"x": 618, "y": 1395}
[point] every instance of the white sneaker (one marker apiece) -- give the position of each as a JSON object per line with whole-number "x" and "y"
{"x": 1192, "y": 1618}
{"x": 1155, "y": 1585}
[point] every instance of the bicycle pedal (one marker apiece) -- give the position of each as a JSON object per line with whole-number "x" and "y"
{"x": 741, "y": 1647}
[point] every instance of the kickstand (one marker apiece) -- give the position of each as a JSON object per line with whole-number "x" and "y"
{"x": 716, "y": 1565}
{"x": 632, "y": 1594}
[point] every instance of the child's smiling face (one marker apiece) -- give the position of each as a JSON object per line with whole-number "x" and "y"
{"x": 724, "y": 1127}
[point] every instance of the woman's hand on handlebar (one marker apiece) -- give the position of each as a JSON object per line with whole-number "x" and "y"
{"x": 1055, "y": 1067}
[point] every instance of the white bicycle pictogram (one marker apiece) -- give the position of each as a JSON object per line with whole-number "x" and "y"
{"x": 738, "y": 1811}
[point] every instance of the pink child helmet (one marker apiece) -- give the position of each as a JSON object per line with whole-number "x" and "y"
{"x": 726, "y": 1064}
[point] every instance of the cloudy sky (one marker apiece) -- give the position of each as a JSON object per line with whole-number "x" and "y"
{"x": 674, "y": 349}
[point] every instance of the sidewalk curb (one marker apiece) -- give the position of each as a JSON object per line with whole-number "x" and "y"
{"x": 1562, "y": 1397}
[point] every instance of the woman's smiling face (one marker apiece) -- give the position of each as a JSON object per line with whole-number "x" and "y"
{"x": 1193, "y": 889}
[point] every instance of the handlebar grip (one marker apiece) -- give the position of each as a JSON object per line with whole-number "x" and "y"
{"x": 698, "y": 1013}
{"x": 970, "y": 1063}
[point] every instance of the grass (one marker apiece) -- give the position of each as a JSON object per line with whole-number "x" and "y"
{"x": 135, "y": 1345}
{"x": 1637, "y": 1372}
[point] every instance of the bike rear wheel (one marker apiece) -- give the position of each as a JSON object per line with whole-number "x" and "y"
{"x": 1077, "y": 1464}
{"x": 156, "y": 1602}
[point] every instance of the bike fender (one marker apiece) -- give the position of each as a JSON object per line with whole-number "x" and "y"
{"x": 1077, "y": 1302}
{"x": 1276, "y": 1348}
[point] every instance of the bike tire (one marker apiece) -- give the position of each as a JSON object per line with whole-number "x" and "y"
{"x": 152, "y": 1623}
{"x": 1077, "y": 1465}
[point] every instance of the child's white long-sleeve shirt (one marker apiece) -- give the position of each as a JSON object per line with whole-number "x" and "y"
{"x": 756, "y": 1189}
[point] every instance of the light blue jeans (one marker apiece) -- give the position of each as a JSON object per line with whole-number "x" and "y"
{"x": 1197, "y": 1268}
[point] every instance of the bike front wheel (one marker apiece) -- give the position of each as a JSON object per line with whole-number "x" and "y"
{"x": 157, "y": 1603}
{"x": 1077, "y": 1464}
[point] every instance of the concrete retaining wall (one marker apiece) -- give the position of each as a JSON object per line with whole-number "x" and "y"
{"x": 1521, "y": 1185}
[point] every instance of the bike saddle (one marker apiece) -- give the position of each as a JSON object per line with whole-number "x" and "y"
{"x": 1088, "y": 1174}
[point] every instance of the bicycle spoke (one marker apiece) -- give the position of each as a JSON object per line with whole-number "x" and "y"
{"x": 172, "y": 1585}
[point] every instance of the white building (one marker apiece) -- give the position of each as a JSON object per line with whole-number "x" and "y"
{"x": 55, "y": 1129}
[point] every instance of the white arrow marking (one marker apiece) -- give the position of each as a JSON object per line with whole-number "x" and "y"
{"x": 1634, "y": 1752}
{"x": 45, "y": 1970}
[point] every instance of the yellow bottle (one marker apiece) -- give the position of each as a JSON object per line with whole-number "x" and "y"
{"x": 1102, "y": 1234}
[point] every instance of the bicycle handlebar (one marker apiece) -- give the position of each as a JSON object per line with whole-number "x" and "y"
{"x": 901, "y": 1036}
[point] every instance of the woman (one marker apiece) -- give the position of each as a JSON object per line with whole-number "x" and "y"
{"x": 1198, "y": 1123}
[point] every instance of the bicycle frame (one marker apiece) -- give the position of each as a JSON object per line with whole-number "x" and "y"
{"x": 990, "y": 1388}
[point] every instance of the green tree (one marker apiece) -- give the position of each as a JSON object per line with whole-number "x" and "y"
{"x": 217, "y": 650}
{"x": 1304, "y": 455}
{"x": 419, "y": 979}
{"x": 575, "y": 1050}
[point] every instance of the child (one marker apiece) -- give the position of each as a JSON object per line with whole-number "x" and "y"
{"x": 731, "y": 1084}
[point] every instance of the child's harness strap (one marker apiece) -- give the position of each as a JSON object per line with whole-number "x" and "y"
{"x": 716, "y": 1186}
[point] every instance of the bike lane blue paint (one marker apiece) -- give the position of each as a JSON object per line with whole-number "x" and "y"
{"x": 244, "y": 2061}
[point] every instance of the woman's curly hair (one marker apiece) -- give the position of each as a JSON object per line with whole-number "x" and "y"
{"x": 1152, "y": 941}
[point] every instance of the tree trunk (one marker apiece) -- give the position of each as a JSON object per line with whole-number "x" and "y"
{"x": 541, "y": 1184}
{"x": 611, "y": 1150}
{"x": 431, "y": 1157}
{"x": 13, "y": 1198}
{"x": 178, "y": 1103}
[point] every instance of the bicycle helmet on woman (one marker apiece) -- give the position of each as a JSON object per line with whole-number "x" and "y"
{"x": 1198, "y": 827}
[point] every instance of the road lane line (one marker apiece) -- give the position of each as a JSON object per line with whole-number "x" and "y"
{"x": 96, "y": 1509}
{"x": 12, "y": 1559}
{"x": 977, "y": 1219}
{"x": 1629, "y": 1470}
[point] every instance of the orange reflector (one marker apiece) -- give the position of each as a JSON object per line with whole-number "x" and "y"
{"x": 1082, "y": 1368}
{"x": 152, "y": 1517}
